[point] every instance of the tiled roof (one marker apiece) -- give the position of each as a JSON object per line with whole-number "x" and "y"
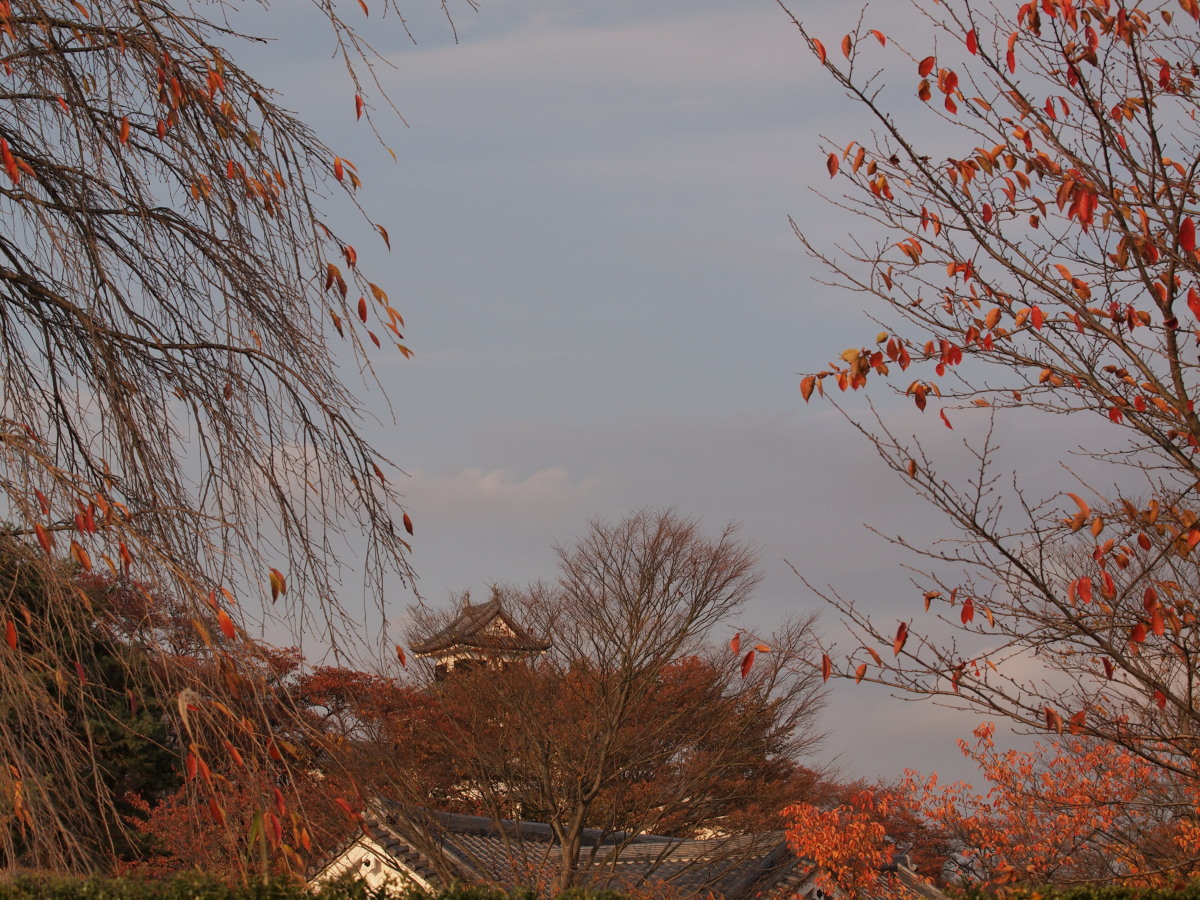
{"x": 471, "y": 629}
{"x": 511, "y": 854}
{"x": 440, "y": 848}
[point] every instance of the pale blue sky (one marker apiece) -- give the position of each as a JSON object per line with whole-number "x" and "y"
{"x": 607, "y": 305}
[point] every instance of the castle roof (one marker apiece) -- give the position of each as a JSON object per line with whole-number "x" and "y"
{"x": 484, "y": 627}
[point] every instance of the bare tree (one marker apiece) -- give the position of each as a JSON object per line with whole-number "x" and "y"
{"x": 171, "y": 410}
{"x": 631, "y": 722}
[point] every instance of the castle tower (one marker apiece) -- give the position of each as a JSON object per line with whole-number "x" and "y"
{"x": 482, "y": 634}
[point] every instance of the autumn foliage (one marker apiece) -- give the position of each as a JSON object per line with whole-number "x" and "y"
{"x": 1033, "y": 259}
{"x": 847, "y": 842}
{"x": 1068, "y": 811}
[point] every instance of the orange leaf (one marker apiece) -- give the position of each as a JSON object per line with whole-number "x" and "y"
{"x": 807, "y": 383}
{"x": 45, "y": 538}
{"x": 832, "y": 164}
{"x": 1137, "y": 634}
{"x": 400, "y": 656}
{"x": 820, "y": 50}
{"x": 826, "y": 667}
{"x": 879, "y": 36}
{"x": 860, "y": 672}
{"x": 846, "y": 45}
{"x": 1054, "y": 720}
{"x": 338, "y": 171}
{"x": 10, "y": 634}
{"x": 358, "y": 106}
{"x": 408, "y": 525}
{"x": 900, "y": 639}
{"x": 383, "y": 232}
{"x": 226, "y": 624}
{"x": 1187, "y": 235}
{"x": 747, "y": 663}
{"x": 124, "y": 138}
{"x": 735, "y": 644}
{"x": 278, "y": 584}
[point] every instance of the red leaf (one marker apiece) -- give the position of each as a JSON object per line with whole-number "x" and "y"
{"x": 968, "y": 610}
{"x": 826, "y": 667}
{"x": 927, "y": 65}
{"x": 1187, "y": 235}
{"x": 358, "y": 106}
{"x": 747, "y": 663}
{"x": 879, "y": 36}
{"x": 1037, "y": 317}
{"x": 972, "y": 42}
{"x": 362, "y": 308}
{"x": 900, "y": 639}
{"x": 1137, "y": 634}
{"x": 1193, "y": 302}
{"x": 1109, "y": 588}
{"x": 346, "y": 807}
{"x": 735, "y": 644}
{"x": 1053, "y": 720}
{"x": 1160, "y": 699}
{"x": 820, "y": 50}
{"x": 942, "y": 413}
{"x": 338, "y": 171}
{"x": 400, "y": 656}
{"x": 408, "y": 525}
{"x": 10, "y": 162}
{"x": 832, "y": 164}
{"x": 10, "y": 634}
{"x": 1108, "y": 668}
{"x": 1084, "y": 587}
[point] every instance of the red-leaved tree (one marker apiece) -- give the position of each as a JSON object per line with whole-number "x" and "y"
{"x": 1029, "y": 247}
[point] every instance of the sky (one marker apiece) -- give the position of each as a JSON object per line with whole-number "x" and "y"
{"x": 607, "y": 306}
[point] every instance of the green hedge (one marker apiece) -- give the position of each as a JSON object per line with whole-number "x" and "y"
{"x": 198, "y": 887}
{"x": 1188, "y": 891}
